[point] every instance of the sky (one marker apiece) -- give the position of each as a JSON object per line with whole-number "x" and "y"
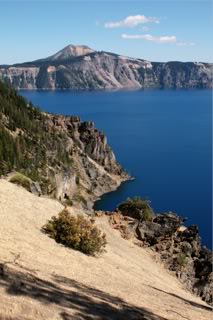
{"x": 154, "y": 30}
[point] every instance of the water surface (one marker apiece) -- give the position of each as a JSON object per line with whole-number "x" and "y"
{"x": 162, "y": 137}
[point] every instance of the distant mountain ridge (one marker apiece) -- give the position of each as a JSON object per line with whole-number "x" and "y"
{"x": 82, "y": 68}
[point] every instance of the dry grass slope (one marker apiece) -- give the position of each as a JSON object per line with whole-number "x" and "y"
{"x": 40, "y": 279}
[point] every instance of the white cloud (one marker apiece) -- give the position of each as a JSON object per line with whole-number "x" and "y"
{"x": 131, "y": 21}
{"x": 148, "y": 37}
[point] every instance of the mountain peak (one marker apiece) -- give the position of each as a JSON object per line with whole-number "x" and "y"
{"x": 70, "y": 51}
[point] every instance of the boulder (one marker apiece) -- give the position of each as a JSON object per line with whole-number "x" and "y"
{"x": 170, "y": 222}
{"x": 186, "y": 248}
{"x": 149, "y": 232}
{"x": 35, "y": 188}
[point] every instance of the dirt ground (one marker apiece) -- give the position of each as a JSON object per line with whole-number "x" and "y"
{"x": 40, "y": 279}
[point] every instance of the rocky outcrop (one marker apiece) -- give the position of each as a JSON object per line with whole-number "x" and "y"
{"x": 94, "y": 169}
{"x": 179, "y": 248}
{"x": 181, "y": 251}
{"x": 79, "y": 67}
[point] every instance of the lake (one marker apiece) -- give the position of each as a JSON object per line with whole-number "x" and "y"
{"x": 162, "y": 137}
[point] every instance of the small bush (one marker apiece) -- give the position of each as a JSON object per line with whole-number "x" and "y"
{"x": 69, "y": 202}
{"x": 137, "y": 208}
{"x": 21, "y": 180}
{"x": 76, "y": 232}
{"x": 182, "y": 259}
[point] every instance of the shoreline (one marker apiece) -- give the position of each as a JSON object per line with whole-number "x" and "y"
{"x": 112, "y": 191}
{"x": 111, "y": 90}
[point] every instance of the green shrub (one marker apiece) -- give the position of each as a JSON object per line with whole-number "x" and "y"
{"x": 69, "y": 202}
{"x": 182, "y": 259}
{"x": 21, "y": 180}
{"x": 137, "y": 208}
{"x": 77, "y": 233}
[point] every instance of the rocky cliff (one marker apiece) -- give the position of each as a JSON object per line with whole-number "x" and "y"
{"x": 79, "y": 67}
{"x": 62, "y": 156}
{"x": 93, "y": 170}
{"x": 178, "y": 247}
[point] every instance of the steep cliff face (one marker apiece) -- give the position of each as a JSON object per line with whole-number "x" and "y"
{"x": 94, "y": 169}
{"x": 79, "y": 67}
{"x": 180, "y": 75}
{"x": 22, "y": 77}
{"x": 69, "y": 159}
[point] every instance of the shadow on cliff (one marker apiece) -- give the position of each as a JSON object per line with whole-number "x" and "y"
{"x": 83, "y": 302}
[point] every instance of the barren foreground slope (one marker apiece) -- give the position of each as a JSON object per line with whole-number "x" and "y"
{"x": 44, "y": 280}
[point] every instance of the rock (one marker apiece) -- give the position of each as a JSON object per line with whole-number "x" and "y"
{"x": 204, "y": 288}
{"x": 149, "y": 232}
{"x": 118, "y": 222}
{"x": 183, "y": 277}
{"x": 190, "y": 233}
{"x": 186, "y": 248}
{"x": 35, "y": 188}
{"x": 66, "y": 186}
{"x": 74, "y": 119}
{"x": 170, "y": 222}
{"x": 180, "y": 250}
{"x": 116, "y": 218}
{"x": 163, "y": 225}
{"x": 94, "y": 167}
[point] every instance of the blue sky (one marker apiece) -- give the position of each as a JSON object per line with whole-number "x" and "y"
{"x": 153, "y": 30}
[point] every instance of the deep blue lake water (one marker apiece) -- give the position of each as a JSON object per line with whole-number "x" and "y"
{"x": 162, "y": 137}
